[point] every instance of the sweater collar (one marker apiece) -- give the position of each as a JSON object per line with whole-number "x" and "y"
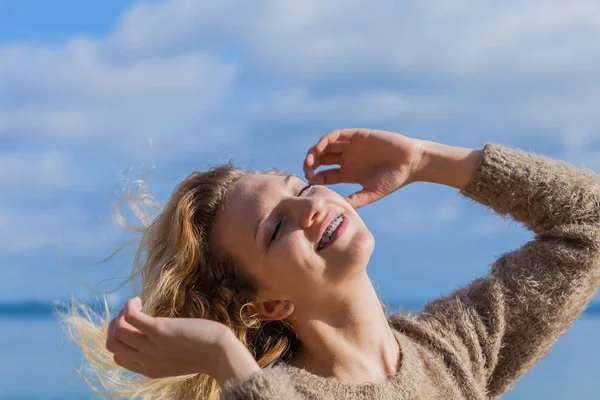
{"x": 401, "y": 385}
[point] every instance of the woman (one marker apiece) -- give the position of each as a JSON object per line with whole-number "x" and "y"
{"x": 255, "y": 285}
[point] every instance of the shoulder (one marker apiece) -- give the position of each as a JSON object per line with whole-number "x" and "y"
{"x": 427, "y": 336}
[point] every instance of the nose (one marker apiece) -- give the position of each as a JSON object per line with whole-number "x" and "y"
{"x": 309, "y": 210}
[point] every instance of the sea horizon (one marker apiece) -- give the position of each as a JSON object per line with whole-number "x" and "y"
{"x": 46, "y": 309}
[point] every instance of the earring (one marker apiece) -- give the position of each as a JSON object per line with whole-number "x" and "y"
{"x": 286, "y": 307}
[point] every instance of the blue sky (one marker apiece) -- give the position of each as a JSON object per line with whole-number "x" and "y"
{"x": 95, "y": 93}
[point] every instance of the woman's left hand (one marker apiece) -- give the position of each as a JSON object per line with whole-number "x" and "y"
{"x": 159, "y": 347}
{"x": 380, "y": 161}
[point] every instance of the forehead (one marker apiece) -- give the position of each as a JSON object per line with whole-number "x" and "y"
{"x": 251, "y": 198}
{"x": 252, "y": 189}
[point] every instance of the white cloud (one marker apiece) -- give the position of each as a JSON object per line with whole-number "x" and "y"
{"x": 312, "y": 37}
{"x": 577, "y": 138}
{"x": 79, "y": 92}
{"x": 160, "y": 74}
{"x": 160, "y": 70}
{"x": 503, "y": 66}
{"x": 296, "y": 105}
{"x": 165, "y": 25}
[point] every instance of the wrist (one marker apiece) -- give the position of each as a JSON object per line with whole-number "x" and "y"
{"x": 235, "y": 363}
{"x": 447, "y": 165}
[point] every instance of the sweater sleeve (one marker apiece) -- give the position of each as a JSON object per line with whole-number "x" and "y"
{"x": 272, "y": 383}
{"x": 502, "y": 324}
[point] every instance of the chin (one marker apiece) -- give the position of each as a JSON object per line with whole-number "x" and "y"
{"x": 353, "y": 258}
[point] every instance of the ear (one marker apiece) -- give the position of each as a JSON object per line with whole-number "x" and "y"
{"x": 274, "y": 310}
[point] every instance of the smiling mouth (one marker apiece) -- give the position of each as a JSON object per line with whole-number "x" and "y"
{"x": 331, "y": 230}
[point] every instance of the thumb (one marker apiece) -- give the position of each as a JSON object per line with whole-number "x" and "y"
{"x": 136, "y": 302}
{"x": 136, "y": 318}
{"x": 361, "y": 198}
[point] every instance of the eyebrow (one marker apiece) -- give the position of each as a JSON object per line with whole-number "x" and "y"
{"x": 263, "y": 217}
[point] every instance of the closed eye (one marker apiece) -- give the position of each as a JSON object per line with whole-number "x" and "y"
{"x": 278, "y": 227}
{"x": 304, "y": 188}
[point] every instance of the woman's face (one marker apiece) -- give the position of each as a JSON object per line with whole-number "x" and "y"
{"x": 274, "y": 225}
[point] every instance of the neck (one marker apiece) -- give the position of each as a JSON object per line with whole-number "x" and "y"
{"x": 350, "y": 339}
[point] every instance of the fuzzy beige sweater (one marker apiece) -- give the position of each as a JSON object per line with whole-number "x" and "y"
{"x": 476, "y": 342}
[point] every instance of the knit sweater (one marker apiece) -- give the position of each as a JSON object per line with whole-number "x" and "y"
{"x": 478, "y": 341}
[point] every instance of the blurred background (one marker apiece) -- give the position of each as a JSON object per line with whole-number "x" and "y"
{"x": 95, "y": 94}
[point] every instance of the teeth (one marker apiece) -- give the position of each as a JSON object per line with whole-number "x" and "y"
{"x": 330, "y": 230}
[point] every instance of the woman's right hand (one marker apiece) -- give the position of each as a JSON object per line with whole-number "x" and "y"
{"x": 380, "y": 161}
{"x": 159, "y": 347}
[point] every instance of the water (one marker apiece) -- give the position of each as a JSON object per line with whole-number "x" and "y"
{"x": 37, "y": 361}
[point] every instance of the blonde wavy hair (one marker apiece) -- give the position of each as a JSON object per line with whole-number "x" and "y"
{"x": 182, "y": 276}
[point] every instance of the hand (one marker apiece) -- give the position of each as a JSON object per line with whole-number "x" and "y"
{"x": 380, "y": 161}
{"x": 161, "y": 347}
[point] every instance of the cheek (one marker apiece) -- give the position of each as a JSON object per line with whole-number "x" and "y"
{"x": 300, "y": 258}
{"x": 298, "y": 248}
{"x": 293, "y": 257}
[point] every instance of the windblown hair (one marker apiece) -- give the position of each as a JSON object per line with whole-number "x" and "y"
{"x": 182, "y": 276}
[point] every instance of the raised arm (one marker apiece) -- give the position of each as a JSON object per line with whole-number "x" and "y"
{"x": 496, "y": 328}
{"x": 242, "y": 379}
{"x": 159, "y": 347}
{"x": 499, "y": 326}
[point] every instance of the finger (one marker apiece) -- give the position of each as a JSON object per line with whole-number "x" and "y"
{"x": 330, "y": 148}
{"x": 319, "y": 149}
{"x": 136, "y": 318}
{"x": 334, "y": 148}
{"x": 330, "y": 159}
{"x": 361, "y": 198}
{"x": 316, "y": 164}
{"x": 121, "y": 314}
{"x": 334, "y": 136}
{"x": 328, "y": 177}
{"x": 127, "y": 333}
{"x": 130, "y": 336}
{"x": 315, "y": 159}
{"x": 111, "y": 327}
{"x": 115, "y": 346}
{"x": 136, "y": 302}
{"x": 310, "y": 159}
{"x": 131, "y": 365}
{"x": 307, "y": 165}
{"x": 121, "y": 322}
{"x": 313, "y": 155}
